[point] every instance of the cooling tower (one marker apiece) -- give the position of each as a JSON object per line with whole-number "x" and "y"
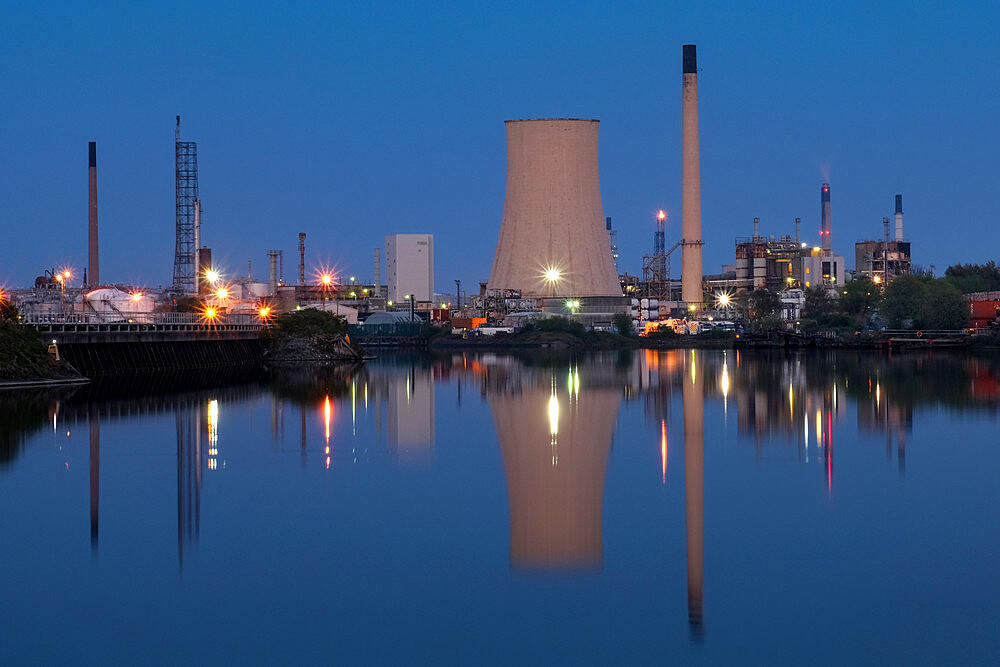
{"x": 552, "y": 237}
{"x": 691, "y": 274}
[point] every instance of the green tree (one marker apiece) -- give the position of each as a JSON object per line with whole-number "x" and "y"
{"x": 819, "y": 302}
{"x": 974, "y": 277}
{"x": 860, "y": 297}
{"x": 924, "y": 303}
{"x": 944, "y": 306}
{"x": 763, "y": 304}
{"x": 903, "y": 299}
{"x": 623, "y": 324}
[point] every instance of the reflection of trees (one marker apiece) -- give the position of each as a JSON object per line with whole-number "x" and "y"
{"x": 22, "y": 413}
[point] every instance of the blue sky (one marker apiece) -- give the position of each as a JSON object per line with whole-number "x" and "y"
{"x": 349, "y": 121}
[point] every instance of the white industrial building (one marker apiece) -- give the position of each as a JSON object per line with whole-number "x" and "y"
{"x": 409, "y": 266}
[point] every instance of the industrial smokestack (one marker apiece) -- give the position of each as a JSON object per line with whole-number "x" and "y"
{"x": 93, "y": 261}
{"x": 798, "y": 224}
{"x": 302, "y": 258}
{"x": 377, "y": 261}
{"x": 553, "y": 241}
{"x": 899, "y": 217}
{"x": 691, "y": 273}
{"x": 272, "y": 258}
{"x": 824, "y": 228}
{"x": 756, "y": 227}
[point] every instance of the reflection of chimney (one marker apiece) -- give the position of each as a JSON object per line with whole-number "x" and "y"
{"x": 95, "y": 476}
{"x": 694, "y": 491}
{"x": 555, "y": 451}
{"x": 92, "y": 257}
{"x": 899, "y": 217}
{"x": 691, "y": 274}
{"x": 824, "y": 229}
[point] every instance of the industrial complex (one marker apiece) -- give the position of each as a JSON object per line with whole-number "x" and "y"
{"x": 556, "y": 254}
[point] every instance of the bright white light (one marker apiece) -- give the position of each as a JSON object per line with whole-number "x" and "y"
{"x": 552, "y": 275}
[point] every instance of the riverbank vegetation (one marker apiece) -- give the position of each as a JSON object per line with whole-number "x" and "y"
{"x": 308, "y": 335}
{"x": 23, "y": 356}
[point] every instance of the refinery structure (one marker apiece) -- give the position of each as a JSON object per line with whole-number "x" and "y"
{"x": 556, "y": 253}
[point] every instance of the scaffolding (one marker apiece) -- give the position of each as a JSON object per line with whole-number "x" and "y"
{"x": 186, "y": 183}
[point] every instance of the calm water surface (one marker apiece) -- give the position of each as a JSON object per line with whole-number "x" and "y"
{"x": 675, "y": 506}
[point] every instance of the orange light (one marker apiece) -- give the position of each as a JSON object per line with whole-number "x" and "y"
{"x": 326, "y": 422}
{"x": 264, "y": 312}
{"x": 326, "y": 279}
{"x": 137, "y": 296}
{"x": 210, "y": 312}
{"x": 662, "y": 215}
{"x": 223, "y": 293}
{"x": 67, "y": 275}
{"x": 663, "y": 448}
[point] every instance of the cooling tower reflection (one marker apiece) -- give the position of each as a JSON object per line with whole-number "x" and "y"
{"x": 555, "y": 439}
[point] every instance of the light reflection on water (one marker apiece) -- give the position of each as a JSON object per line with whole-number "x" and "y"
{"x": 407, "y": 468}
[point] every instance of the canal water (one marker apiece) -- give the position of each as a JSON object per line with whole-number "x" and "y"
{"x": 673, "y": 506}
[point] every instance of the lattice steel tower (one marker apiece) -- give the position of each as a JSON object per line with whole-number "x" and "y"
{"x": 186, "y": 174}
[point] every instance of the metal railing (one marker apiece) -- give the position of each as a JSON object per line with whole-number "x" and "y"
{"x": 185, "y": 319}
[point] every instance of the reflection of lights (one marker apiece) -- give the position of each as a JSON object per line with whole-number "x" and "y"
{"x": 663, "y": 448}
{"x": 326, "y": 418}
{"x": 819, "y": 428}
{"x": 213, "y": 423}
{"x": 878, "y": 395}
{"x": 693, "y": 371}
{"x": 553, "y": 414}
{"x": 725, "y": 379}
{"x": 805, "y": 432}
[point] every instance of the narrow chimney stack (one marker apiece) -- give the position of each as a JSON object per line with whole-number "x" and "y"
{"x": 93, "y": 261}
{"x": 302, "y": 258}
{"x": 899, "y": 217}
{"x": 824, "y": 230}
{"x": 756, "y": 227}
{"x": 691, "y": 260}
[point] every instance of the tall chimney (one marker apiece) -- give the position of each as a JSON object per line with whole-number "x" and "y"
{"x": 93, "y": 262}
{"x": 798, "y": 224}
{"x": 756, "y": 227}
{"x": 377, "y": 261}
{"x": 899, "y": 217}
{"x": 824, "y": 229}
{"x": 691, "y": 273}
{"x": 302, "y": 258}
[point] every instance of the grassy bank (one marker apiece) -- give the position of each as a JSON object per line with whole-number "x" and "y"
{"x": 24, "y": 357}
